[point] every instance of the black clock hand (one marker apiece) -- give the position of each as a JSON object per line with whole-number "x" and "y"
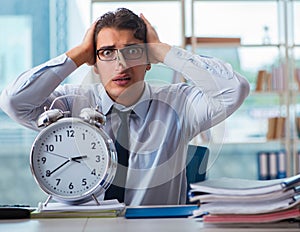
{"x": 78, "y": 157}
{"x": 75, "y": 159}
{"x": 67, "y": 161}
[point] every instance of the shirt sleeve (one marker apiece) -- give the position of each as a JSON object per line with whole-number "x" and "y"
{"x": 24, "y": 99}
{"x": 216, "y": 90}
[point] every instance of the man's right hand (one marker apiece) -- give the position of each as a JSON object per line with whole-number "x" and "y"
{"x": 85, "y": 52}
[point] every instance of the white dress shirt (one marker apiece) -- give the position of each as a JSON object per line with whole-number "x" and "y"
{"x": 161, "y": 124}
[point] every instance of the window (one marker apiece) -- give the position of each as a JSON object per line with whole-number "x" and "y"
{"x": 15, "y": 53}
{"x": 24, "y": 42}
{"x": 165, "y": 16}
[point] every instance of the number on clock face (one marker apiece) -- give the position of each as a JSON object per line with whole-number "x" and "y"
{"x": 69, "y": 158}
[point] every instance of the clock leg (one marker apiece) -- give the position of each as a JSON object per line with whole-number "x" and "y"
{"x": 48, "y": 199}
{"x": 95, "y": 199}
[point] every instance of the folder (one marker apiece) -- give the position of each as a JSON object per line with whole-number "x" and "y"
{"x": 242, "y": 196}
{"x": 108, "y": 208}
{"x": 169, "y": 211}
{"x": 236, "y": 186}
{"x": 253, "y": 218}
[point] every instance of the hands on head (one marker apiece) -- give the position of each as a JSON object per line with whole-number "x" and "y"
{"x": 85, "y": 52}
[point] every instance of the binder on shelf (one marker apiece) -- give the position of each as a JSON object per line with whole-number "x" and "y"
{"x": 281, "y": 164}
{"x": 273, "y": 168}
{"x": 263, "y": 165}
{"x": 271, "y": 165}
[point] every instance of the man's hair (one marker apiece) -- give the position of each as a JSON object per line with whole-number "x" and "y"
{"x": 122, "y": 18}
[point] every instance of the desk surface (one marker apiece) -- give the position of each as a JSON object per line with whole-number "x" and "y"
{"x": 117, "y": 224}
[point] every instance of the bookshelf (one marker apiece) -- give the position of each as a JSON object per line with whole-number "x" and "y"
{"x": 279, "y": 80}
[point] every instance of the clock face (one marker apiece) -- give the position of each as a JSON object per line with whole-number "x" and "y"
{"x": 71, "y": 160}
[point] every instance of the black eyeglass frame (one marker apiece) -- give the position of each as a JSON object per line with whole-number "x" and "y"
{"x": 116, "y": 50}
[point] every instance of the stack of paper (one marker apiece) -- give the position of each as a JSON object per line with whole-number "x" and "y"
{"x": 109, "y": 208}
{"x": 230, "y": 200}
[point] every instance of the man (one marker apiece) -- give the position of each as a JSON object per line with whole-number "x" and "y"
{"x": 161, "y": 120}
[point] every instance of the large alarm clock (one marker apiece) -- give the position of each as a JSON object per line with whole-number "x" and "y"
{"x": 72, "y": 159}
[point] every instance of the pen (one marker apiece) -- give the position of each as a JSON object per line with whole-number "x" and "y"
{"x": 15, "y": 206}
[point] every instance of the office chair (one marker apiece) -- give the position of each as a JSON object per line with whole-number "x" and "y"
{"x": 196, "y": 164}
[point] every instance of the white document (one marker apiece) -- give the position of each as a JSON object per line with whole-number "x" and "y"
{"x": 87, "y": 207}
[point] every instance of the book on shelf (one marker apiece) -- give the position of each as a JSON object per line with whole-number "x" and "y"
{"x": 213, "y": 40}
{"x": 298, "y": 126}
{"x": 276, "y": 128}
{"x": 243, "y": 197}
{"x": 297, "y": 77}
{"x": 261, "y": 80}
{"x": 107, "y": 208}
{"x": 270, "y": 81}
{"x": 298, "y": 154}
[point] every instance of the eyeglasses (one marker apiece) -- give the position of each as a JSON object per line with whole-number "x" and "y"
{"x": 129, "y": 53}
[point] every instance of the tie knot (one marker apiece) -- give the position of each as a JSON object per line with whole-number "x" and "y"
{"x": 123, "y": 115}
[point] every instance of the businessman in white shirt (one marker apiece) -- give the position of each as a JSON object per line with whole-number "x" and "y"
{"x": 121, "y": 46}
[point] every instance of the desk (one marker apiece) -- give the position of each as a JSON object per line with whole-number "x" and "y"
{"x": 118, "y": 224}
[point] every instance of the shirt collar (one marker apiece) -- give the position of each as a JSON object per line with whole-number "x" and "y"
{"x": 140, "y": 108}
{"x": 106, "y": 101}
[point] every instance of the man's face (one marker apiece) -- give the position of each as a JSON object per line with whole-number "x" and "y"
{"x": 121, "y": 71}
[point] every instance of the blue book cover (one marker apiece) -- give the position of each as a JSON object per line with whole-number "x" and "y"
{"x": 281, "y": 164}
{"x": 174, "y": 211}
